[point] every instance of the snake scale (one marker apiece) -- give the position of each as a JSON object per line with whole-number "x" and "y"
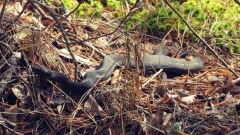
{"x": 160, "y": 59}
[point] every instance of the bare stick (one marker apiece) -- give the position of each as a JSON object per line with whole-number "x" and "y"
{"x": 73, "y": 10}
{"x": 3, "y": 9}
{"x": 25, "y": 6}
{"x": 234, "y": 132}
{"x": 237, "y": 2}
{"x": 157, "y": 73}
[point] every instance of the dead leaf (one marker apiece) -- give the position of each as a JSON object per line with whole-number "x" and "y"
{"x": 76, "y": 50}
{"x": 47, "y": 22}
{"x": 167, "y": 118}
{"x": 116, "y": 76}
{"x": 20, "y": 92}
{"x": 149, "y": 105}
{"x": 102, "y": 41}
{"x": 12, "y": 113}
{"x": 211, "y": 90}
{"x": 60, "y": 108}
{"x": 65, "y": 53}
{"x": 38, "y": 23}
{"x": 225, "y": 129}
{"x": 13, "y": 9}
{"x": 56, "y": 3}
{"x": 91, "y": 106}
{"x": 231, "y": 87}
{"x": 27, "y": 38}
{"x": 230, "y": 63}
{"x": 154, "y": 120}
{"x": 92, "y": 27}
{"x": 188, "y": 99}
{"x": 172, "y": 96}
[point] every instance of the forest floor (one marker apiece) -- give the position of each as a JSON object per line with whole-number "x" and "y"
{"x": 134, "y": 101}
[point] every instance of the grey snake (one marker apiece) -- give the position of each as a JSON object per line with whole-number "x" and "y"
{"x": 160, "y": 59}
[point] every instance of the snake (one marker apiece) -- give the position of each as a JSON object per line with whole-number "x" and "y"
{"x": 160, "y": 59}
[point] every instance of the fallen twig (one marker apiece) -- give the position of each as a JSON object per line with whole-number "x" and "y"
{"x": 3, "y": 9}
{"x": 157, "y": 73}
{"x": 237, "y": 2}
{"x": 234, "y": 132}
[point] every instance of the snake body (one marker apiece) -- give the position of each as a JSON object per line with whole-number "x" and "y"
{"x": 159, "y": 59}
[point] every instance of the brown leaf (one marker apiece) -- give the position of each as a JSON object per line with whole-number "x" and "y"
{"x": 92, "y": 107}
{"x": 211, "y": 90}
{"x": 225, "y": 129}
{"x": 47, "y": 22}
{"x": 231, "y": 87}
{"x": 12, "y": 113}
{"x": 149, "y": 105}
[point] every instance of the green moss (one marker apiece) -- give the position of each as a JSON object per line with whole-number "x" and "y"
{"x": 236, "y": 49}
{"x": 221, "y": 35}
{"x": 219, "y": 42}
{"x": 161, "y": 28}
{"x": 187, "y": 11}
{"x": 201, "y": 17}
{"x": 69, "y": 4}
{"x": 230, "y": 48}
{"x": 113, "y": 3}
{"x": 196, "y": 12}
{"x": 232, "y": 33}
{"x": 168, "y": 26}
